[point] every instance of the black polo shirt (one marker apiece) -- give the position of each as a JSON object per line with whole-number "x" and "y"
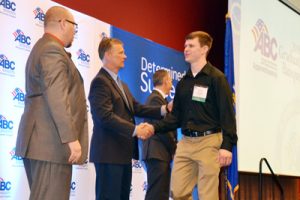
{"x": 215, "y": 110}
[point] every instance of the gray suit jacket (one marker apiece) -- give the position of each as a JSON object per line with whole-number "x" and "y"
{"x": 55, "y": 110}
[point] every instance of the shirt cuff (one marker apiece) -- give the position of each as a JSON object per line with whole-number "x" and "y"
{"x": 163, "y": 110}
{"x": 134, "y": 132}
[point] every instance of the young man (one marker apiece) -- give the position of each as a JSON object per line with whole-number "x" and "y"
{"x": 53, "y": 132}
{"x": 158, "y": 151}
{"x": 203, "y": 108}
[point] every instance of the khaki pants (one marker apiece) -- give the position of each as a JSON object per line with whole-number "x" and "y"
{"x": 196, "y": 162}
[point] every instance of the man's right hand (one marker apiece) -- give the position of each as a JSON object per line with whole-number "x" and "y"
{"x": 144, "y": 131}
{"x": 75, "y": 149}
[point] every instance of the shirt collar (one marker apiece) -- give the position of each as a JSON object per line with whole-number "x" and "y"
{"x": 56, "y": 38}
{"x": 206, "y": 70}
{"x": 160, "y": 92}
{"x": 111, "y": 73}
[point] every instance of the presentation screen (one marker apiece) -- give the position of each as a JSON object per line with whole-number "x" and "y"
{"x": 267, "y": 64}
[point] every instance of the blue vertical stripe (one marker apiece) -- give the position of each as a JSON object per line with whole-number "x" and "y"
{"x": 232, "y": 174}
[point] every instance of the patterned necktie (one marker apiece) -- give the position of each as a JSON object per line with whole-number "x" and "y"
{"x": 122, "y": 90}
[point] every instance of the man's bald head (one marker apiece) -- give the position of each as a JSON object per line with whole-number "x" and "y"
{"x": 60, "y": 23}
{"x": 56, "y": 13}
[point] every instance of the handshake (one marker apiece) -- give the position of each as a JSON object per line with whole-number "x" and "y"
{"x": 144, "y": 131}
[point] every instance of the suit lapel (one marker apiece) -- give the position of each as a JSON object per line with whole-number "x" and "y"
{"x": 113, "y": 82}
{"x": 130, "y": 101}
{"x": 161, "y": 97}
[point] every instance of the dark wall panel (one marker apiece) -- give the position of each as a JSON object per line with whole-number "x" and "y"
{"x": 166, "y": 22}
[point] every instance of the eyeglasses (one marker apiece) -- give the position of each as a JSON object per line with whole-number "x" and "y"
{"x": 74, "y": 23}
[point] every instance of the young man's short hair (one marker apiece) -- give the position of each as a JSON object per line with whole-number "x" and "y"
{"x": 203, "y": 38}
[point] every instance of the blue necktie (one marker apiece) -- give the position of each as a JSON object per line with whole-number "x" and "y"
{"x": 122, "y": 90}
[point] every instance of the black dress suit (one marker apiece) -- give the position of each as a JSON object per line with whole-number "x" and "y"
{"x": 112, "y": 144}
{"x": 158, "y": 152}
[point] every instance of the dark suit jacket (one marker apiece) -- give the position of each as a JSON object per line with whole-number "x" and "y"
{"x": 55, "y": 110}
{"x": 160, "y": 146}
{"x": 114, "y": 122}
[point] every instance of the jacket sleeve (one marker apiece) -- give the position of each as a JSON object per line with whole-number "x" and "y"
{"x": 153, "y": 100}
{"x": 142, "y": 110}
{"x": 172, "y": 120}
{"x": 103, "y": 111}
{"x": 56, "y": 82}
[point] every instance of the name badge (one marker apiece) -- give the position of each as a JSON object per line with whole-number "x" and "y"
{"x": 199, "y": 93}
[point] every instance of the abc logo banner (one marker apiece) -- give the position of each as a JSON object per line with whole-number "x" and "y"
{"x": 21, "y": 26}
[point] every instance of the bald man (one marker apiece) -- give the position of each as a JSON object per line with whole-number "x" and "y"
{"x": 53, "y": 132}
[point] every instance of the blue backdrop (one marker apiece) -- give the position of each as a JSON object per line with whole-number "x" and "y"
{"x": 144, "y": 57}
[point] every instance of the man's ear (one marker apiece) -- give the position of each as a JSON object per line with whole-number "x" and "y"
{"x": 164, "y": 81}
{"x": 62, "y": 25}
{"x": 106, "y": 55}
{"x": 205, "y": 49}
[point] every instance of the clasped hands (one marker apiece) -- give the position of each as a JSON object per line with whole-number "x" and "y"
{"x": 144, "y": 131}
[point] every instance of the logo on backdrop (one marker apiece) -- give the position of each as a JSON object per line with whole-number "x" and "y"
{"x": 76, "y": 29}
{"x": 73, "y": 189}
{"x": 83, "y": 58}
{"x": 84, "y": 166}
{"x": 76, "y": 32}
{"x": 7, "y": 67}
{"x": 149, "y": 68}
{"x": 8, "y": 8}
{"x": 264, "y": 43}
{"x": 18, "y": 97}
{"x": 102, "y": 35}
{"x": 266, "y": 46}
{"x": 23, "y": 41}
{"x": 17, "y": 161}
{"x": 5, "y": 187}
{"x": 289, "y": 56}
{"x": 144, "y": 186}
{"x": 14, "y": 156}
{"x": 137, "y": 166}
{"x": 6, "y": 126}
{"x": 39, "y": 16}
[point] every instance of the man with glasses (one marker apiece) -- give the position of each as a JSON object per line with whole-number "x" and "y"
{"x": 53, "y": 132}
{"x": 75, "y": 24}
